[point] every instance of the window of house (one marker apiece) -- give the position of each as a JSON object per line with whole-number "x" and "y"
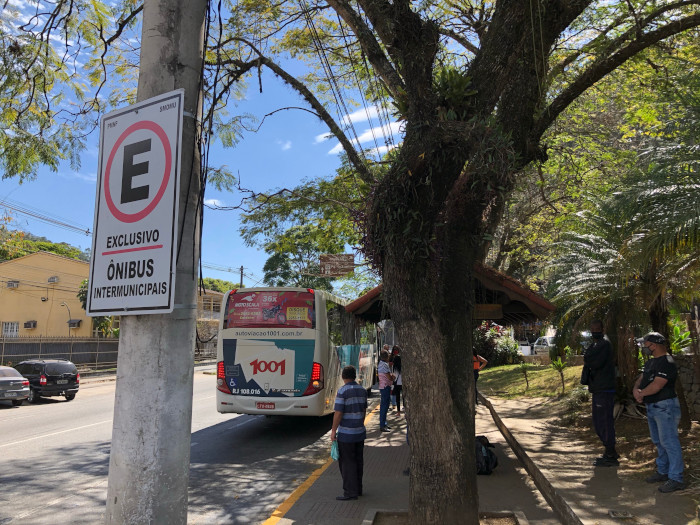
{"x": 10, "y": 329}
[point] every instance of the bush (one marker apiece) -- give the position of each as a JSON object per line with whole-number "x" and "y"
{"x": 484, "y": 340}
{"x": 506, "y": 352}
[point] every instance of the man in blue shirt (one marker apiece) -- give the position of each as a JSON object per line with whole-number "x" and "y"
{"x": 349, "y": 430}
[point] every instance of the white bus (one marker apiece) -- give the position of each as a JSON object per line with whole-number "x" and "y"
{"x": 281, "y": 351}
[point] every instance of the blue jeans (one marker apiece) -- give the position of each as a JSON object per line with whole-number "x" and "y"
{"x": 663, "y": 417}
{"x": 384, "y": 405}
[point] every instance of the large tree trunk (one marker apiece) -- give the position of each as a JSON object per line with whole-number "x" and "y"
{"x": 440, "y": 393}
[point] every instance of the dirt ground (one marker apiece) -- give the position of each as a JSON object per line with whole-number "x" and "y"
{"x": 636, "y": 448}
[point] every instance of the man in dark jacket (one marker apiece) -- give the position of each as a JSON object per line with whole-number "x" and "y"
{"x": 600, "y": 360}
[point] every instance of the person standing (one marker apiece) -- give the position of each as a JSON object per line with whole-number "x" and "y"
{"x": 349, "y": 430}
{"x": 600, "y": 360}
{"x": 398, "y": 379}
{"x": 385, "y": 381}
{"x": 656, "y": 388}
{"x": 478, "y": 363}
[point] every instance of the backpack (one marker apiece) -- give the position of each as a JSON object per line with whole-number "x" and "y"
{"x": 486, "y": 460}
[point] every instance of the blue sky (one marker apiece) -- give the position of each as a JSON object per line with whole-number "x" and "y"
{"x": 286, "y": 150}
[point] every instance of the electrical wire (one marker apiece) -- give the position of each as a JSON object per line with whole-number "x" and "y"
{"x": 44, "y": 217}
{"x": 332, "y": 81}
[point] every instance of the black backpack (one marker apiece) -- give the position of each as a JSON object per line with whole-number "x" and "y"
{"x": 486, "y": 460}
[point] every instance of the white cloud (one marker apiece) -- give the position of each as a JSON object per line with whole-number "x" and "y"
{"x": 285, "y": 145}
{"x": 369, "y": 135}
{"x": 213, "y": 202}
{"x": 88, "y": 177}
{"x": 323, "y": 137}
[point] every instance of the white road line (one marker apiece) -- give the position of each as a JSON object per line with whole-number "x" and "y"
{"x": 54, "y": 433}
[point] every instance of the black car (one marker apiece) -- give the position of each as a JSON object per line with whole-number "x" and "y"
{"x": 50, "y": 377}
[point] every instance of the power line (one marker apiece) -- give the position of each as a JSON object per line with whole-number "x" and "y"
{"x": 45, "y": 217}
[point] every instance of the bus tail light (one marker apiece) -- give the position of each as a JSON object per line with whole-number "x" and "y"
{"x": 221, "y": 385}
{"x": 316, "y": 383}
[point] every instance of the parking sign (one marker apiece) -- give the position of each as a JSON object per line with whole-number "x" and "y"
{"x": 132, "y": 270}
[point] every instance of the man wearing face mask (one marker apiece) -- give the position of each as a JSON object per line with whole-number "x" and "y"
{"x": 656, "y": 388}
{"x": 600, "y": 360}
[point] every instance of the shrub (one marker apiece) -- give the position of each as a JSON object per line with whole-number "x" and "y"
{"x": 506, "y": 352}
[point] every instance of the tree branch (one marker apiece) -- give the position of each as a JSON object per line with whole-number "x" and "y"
{"x": 358, "y": 162}
{"x": 605, "y": 66}
{"x": 375, "y": 54}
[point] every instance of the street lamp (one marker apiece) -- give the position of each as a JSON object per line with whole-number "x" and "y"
{"x": 69, "y": 317}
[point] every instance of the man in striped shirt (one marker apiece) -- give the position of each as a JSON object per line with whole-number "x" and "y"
{"x": 349, "y": 430}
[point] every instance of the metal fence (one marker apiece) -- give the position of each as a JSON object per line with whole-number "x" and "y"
{"x": 89, "y": 354}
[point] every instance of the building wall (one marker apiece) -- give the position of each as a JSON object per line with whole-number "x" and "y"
{"x": 36, "y": 299}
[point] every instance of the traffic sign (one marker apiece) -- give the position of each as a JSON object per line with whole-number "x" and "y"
{"x": 132, "y": 270}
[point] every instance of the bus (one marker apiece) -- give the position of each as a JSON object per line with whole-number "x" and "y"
{"x": 281, "y": 351}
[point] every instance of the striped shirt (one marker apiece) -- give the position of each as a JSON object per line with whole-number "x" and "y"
{"x": 351, "y": 400}
{"x": 383, "y": 372}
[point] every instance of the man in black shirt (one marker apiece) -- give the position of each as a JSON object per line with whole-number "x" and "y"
{"x": 655, "y": 387}
{"x": 600, "y": 360}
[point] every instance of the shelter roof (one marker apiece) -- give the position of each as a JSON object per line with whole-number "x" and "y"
{"x": 499, "y": 298}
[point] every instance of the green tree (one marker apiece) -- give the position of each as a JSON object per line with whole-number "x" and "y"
{"x": 219, "y": 285}
{"x": 104, "y": 324}
{"x": 475, "y": 105}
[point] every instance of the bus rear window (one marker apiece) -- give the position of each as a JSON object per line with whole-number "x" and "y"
{"x": 277, "y": 309}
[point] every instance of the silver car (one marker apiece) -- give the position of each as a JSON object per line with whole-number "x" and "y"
{"x": 13, "y": 386}
{"x": 543, "y": 345}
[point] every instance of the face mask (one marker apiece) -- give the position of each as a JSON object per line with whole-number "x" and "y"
{"x": 597, "y": 335}
{"x": 646, "y": 351}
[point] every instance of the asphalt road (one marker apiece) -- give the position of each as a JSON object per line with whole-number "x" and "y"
{"x": 54, "y": 459}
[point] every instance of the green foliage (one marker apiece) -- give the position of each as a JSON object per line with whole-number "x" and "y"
{"x": 453, "y": 89}
{"x": 524, "y": 369}
{"x": 53, "y": 68}
{"x": 219, "y": 285}
{"x": 14, "y": 244}
{"x": 559, "y": 366}
{"x": 102, "y": 323}
{"x": 507, "y": 351}
{"x": 679, "y": 337}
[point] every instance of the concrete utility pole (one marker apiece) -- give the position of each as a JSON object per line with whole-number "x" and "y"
{"x": 150, "y": 456}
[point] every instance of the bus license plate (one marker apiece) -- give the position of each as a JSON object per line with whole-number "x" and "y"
{"x": 265, "y": 406}
{"x": 62, "y": 382}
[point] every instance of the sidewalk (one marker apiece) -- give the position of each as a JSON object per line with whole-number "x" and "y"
{"x": 386, "y": 487}
{"x": 590, "y": 492}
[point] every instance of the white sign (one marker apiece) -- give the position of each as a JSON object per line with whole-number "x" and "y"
{"x": 135, "y": 235}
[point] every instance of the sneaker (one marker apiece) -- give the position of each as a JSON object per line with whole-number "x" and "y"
{"x": 656, "y": 478}
{"x": 385, "y": 429}
{"x": 606, "y": 462}
{"x": 671, "y": 486}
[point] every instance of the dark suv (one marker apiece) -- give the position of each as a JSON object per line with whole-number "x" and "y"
{"x": 50, "y": 377}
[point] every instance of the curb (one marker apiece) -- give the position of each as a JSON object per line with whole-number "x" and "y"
{"x": 560, "y": 507}
{"x": 520, "y": 518}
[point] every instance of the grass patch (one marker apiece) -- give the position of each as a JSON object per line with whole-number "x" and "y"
{"x": 508, "y": 381}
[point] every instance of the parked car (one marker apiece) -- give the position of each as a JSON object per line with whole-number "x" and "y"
{"x": 543, "y": 345}
{"x": 50, "y": 377}
{"x": 13, "y": 386}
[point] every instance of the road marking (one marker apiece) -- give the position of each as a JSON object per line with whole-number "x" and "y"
{"x": 55, "y": 433}
{"x": 280, "y": 511}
